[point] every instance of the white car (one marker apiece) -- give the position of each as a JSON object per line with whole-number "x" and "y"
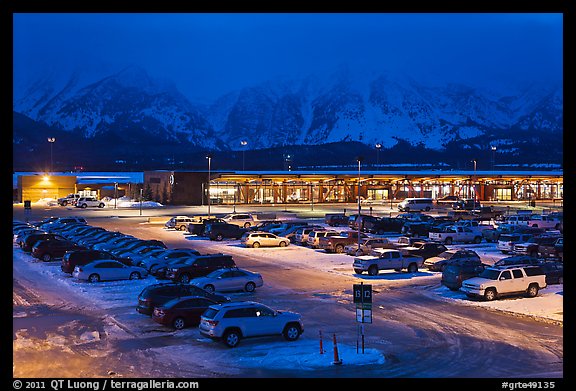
{"x": 231, "y": 322}
{"x": 244, "y": 220}
{"x": 108, "y": 270}
{"x": 85, "y": 202}
{"x": 263, "y": 239}
{"x": 229, "y": 280}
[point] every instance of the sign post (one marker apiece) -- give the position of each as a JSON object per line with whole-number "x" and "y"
{"x": 363, "y": 301}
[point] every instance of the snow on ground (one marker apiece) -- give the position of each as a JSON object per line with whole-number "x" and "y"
{"x": 122, "y": 202}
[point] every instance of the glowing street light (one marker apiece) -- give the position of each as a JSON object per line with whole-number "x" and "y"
{"x": 359, "y": 160}
{"x": 493, "y": 148}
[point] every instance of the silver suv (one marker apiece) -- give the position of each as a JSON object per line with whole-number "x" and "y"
{"x": 84, "y": 202}
{"x": 231, "y": 322}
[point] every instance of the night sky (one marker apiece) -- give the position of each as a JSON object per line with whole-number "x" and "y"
{"x": 207, "y": 55}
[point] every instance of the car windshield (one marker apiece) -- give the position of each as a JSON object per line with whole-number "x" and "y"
{"x": 215, "y": 273}
{"x": 490, "y": 274}
{"x": 446, "y": 254}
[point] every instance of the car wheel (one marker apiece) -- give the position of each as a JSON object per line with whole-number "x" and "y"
{"x": 477, "y": 239}
{"x": 339, "y": 249}
{"x": 181, "y": 228}
{"x": 532, "y": 290}
{"x": 179, "y": 323}
{"x": 412, "y": 268}
{"x": 46, "y": 257}
{"x": 94, "y": 278}
{"x": 534, "y": 254}
{"x": 427, "y": 209}
{"x": 373, "y": 270}
{"x": 247, "y": 225}
{"x": 291, "y": 332}
{"x": 448, "y": 241}
{"x": 219, "y": 237}
{"x": 282, "y": 244}
{"x": 184, "y": 278}
{"x": 232, "y": 338}
{"x": 381, "y": 232}
{"x": 135, "y": 276}
{"x": 64, "y": 203}
{"x": 358, "y": 271}
{"x": 250, "y": 287}
{"x": 84, "y": 206}
{"x": 490, "y": 294}
{"x": 101, "y": 205}
{"x": 209, "y": 288}
{"x": 255, "y": 245}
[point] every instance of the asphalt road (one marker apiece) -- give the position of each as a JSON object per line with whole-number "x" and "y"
{"x": 421, "y": 336}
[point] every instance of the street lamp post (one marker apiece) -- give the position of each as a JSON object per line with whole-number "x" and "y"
{"x": 209, "y": 157}
{"x": 51, "y": 140}
{"x": 243, "y": 143}
{"x": 141, "y": 191}
{"x": 359, "y": 159}
{"x": 378, "y": 147}
{"x": 115, "y": 193}
{"x": 493, "y": 148}
{"x": 474, "y": 178}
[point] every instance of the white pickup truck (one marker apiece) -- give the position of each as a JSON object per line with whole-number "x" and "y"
{"x": 386, "y": 259}
{"x": 494, "y": 282}
{"x": 455, "y": 233}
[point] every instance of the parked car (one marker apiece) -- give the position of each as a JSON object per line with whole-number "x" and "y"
{"x": 74, "y": 258}
{"x": 265, "y": 225}
{"x": 179, "y": 223}
{"x": 263, "y": 239}
{"x": 230, "y": 322}
{"x": 197, "y": 227}
{"x": 531, "y": 246}
{"x": 467, "y": 204}
{"x": 416, "y": 204}
{"x": 313, "y": 240}
{"x": 220, "y": 231}
{"x": 244, "y": 220}
{"x": 517, "y": 260}
{"x": 301, "y": 235}
{"x": 554, "y": 272}
{"x": 228, "y": 280}
{"x": 26, "y": 242}
{"x": 156, "y": 295}
{"x": 552, "y": 250}
{"x": 160, "y": 256}
{"x": 455, "y": 273}
{"x": 85, "y": 202}
{"x": 182, "y": 312}
{"x": 439, "y": 262}
{"x": 336, "y": 219}
{"x": 447, "y": 199}
{"x": 47, "y": 250}
{"x": 384, "y": 224}
{"x": 425, "y": 249}
{"x": 367, "y": 245}
{"x": 495, "y": 282}
{"x": 69, "y": 199}
{"x": 108, "y": 270}
{"x": 199, "y": 266}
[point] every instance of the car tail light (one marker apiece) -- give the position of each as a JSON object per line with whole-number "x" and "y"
{"x": 212, "y": 323}
{"x": 79, "y": 269}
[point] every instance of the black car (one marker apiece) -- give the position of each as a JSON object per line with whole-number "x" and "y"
{"x": 199, "y": 266}
{"x": 219, "y": 231}
{"x": 30, "y": 240}
{"x": 197, "y": 228}
{"x": 455, "y": 273}
{"x": 517, "y": 260}
{"x": 554, "y": 272}
{"x": 47, "y": 250}
{"x": 74, "y": 258}
{"x": 384, "y": 224}
{"x": 155, "y": 295}
{"x": 416, "y": 229}
{"x": 426, "y": 249}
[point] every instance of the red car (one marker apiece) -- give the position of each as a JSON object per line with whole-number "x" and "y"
{"x": 182, "y": 312}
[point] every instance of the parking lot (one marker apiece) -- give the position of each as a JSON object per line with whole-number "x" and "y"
{"x": 413, "y": 315}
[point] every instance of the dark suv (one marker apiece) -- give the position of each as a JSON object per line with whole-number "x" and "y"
{"x": 454, "y": 274}
{"x": 158, "y": 294}
{"x": 219, "y": 231}
{"x": 81, "y": 257}
{"x": 199, "y": 266}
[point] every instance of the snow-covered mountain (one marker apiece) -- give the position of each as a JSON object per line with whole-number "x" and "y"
{"x": 369, "y": 108}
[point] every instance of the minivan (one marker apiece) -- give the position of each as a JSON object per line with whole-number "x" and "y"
{"x": 411, "y": 204}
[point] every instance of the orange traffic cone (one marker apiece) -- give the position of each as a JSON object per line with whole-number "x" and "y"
{"x": 337, "y": 360}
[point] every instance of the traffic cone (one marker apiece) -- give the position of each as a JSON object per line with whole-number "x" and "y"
{"x": 337, "y": 360}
